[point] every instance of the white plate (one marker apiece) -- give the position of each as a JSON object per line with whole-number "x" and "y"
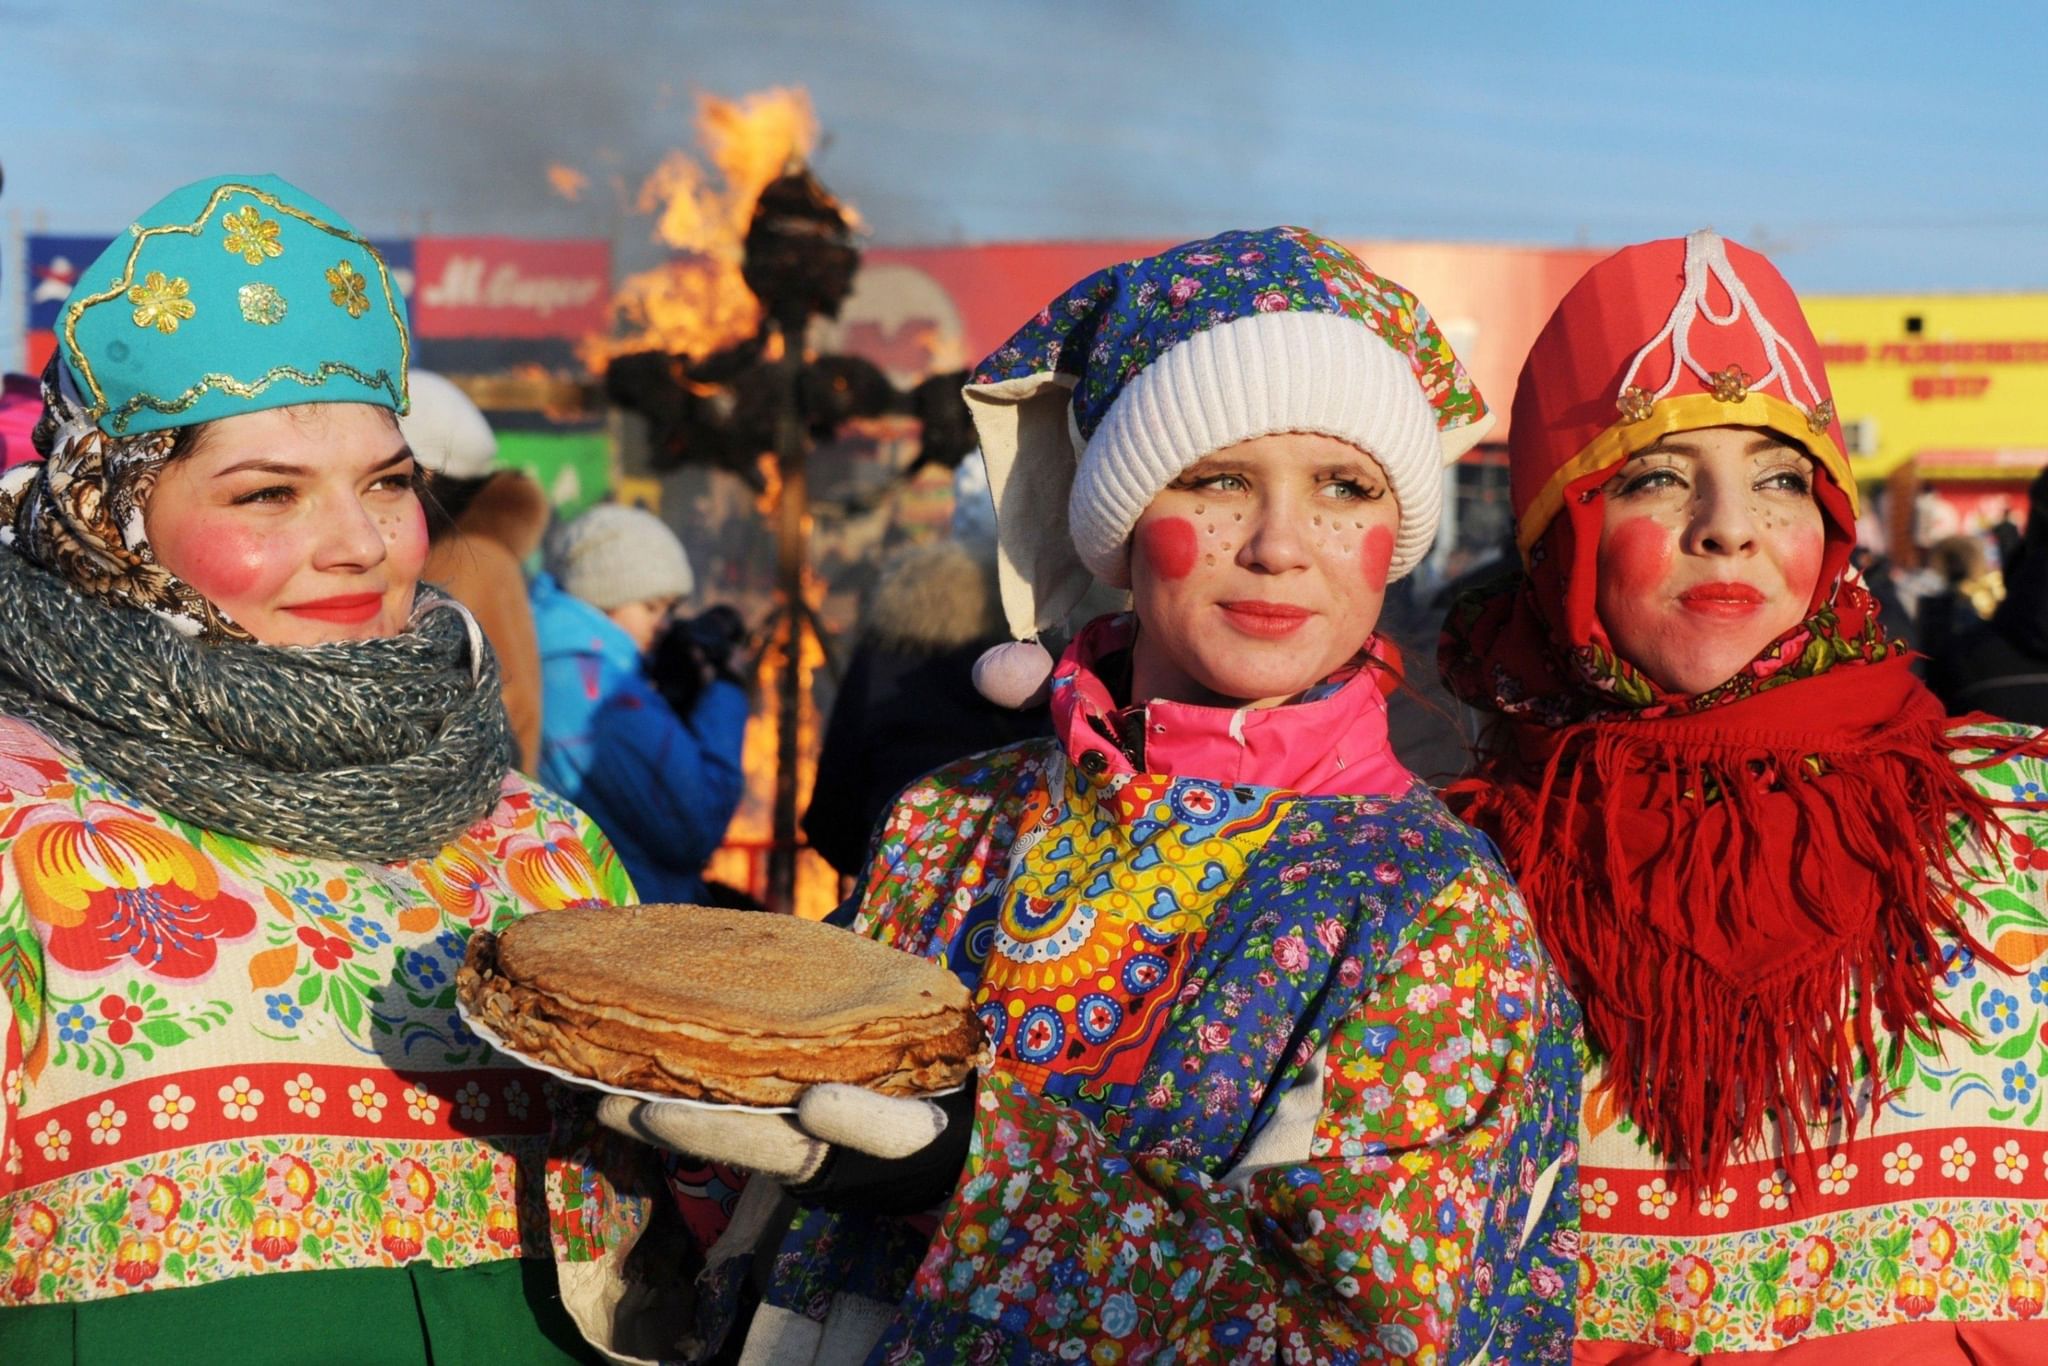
{"x": 489, "y": 1036}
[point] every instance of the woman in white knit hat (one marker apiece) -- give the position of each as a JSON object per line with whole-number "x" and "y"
{"x": 661, "y": 782}
{"x": 1280, "y": 1070}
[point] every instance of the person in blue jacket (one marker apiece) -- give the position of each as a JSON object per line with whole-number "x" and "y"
{"x": 660, "y": 779}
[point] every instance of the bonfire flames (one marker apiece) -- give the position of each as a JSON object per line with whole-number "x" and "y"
{"x": 697, "y": 303}
{"x": 710, "y": 348}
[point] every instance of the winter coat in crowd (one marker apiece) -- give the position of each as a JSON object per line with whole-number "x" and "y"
{"x": 477, "y": 561}
{"x": 20, "y": 406}
{"x": 663, "y": 787}
{"x": 2002, "y": 667}
{"x": 907, "y": 704}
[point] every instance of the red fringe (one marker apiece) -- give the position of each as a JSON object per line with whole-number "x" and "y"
{"x": 1736, "y": 909}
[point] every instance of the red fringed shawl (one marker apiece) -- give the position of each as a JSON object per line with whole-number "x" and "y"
{"x": 1737, "y": 893}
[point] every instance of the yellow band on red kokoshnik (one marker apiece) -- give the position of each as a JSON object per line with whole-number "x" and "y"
{"x": 1681, "y": 413}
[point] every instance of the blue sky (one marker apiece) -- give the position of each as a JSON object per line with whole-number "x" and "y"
{"x": 1869, "y": 147}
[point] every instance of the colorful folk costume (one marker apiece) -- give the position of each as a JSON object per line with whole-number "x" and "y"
{"x": 1804, "y": 911}
{"x": 236, "y": 879}
{"x": 1280, "y": 1072}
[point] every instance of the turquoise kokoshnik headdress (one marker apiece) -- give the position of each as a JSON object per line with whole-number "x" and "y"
{"x": 229, "y": 296}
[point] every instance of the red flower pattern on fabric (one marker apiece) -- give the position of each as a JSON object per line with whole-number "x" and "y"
{"x": 112, "y": 888}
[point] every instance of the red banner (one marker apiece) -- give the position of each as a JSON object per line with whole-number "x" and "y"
{"x": 510, "y": 287}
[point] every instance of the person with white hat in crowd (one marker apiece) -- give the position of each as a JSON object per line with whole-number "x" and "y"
{"x": 642, "y": 715}
{"x": 482, "y": 524}
{"x": 1280, "y": 1070}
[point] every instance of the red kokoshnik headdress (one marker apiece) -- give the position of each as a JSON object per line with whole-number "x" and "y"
{"x": 1732, "y": 881}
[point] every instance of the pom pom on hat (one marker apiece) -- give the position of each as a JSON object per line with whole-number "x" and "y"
{"x": 1015, "y": 674}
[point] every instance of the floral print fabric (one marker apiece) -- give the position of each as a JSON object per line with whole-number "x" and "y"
{"x": 223, "y": 1059}
{"x": 1937, "y": 1208}
{"x": 1158, "y": 961}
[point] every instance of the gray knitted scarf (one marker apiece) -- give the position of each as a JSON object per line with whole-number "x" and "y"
{"x": 375, "y": 750}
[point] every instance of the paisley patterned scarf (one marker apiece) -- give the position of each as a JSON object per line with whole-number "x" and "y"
{"x": 78, "y": 512}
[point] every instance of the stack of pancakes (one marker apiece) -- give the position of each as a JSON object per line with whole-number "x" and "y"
{"x": 737, "y": 1007}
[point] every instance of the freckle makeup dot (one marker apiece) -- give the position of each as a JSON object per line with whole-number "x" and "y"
{"x": 1211, "y": 528}
{"x": 1318, "y": 521}
{"x": 1237, "y": 516}
{"x": 1200, "y": 508}
{"x": 1209, "y": 559}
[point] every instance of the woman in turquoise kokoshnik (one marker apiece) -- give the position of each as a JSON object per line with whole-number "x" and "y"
{"x": 1280, "y": 1070}
{"x": 255, "y": 793}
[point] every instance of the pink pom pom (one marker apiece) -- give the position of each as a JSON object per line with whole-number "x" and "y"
{"x": 1015, "y": 674}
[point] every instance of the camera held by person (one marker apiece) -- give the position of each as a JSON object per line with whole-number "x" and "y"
{"x": 690, "y": 652}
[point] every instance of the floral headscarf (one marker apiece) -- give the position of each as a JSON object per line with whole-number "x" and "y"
{"x": 78, "y": 512}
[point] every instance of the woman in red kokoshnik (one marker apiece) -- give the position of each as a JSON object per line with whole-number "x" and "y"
{"x": 1803, "y": 908}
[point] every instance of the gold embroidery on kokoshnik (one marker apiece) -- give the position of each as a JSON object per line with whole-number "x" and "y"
{"x": 348, "y": 289}
{"x": 251, "y": 236}
{"x": 228, "y": 384}
{"x": 161, "y": 303}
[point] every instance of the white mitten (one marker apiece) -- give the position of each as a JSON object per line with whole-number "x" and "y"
{"x": 867, "y": 1121}
{"x": 786, "y": 1146}
{"x": 770, "y": 1144}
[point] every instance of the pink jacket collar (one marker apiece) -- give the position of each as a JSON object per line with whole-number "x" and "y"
{"x": 1334, "y": 746}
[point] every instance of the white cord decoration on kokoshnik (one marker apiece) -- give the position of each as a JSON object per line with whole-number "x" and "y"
{"x": 1706, "y": 256}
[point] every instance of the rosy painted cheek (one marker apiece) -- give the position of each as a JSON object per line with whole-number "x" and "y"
{"x": 1636, "y": 558}
{"x": 1801, "y": 556}
{"x": 406, "y": 533}
{"x": 1168, "y": 544}
{"x": 1376, "y": 555}
{"x": 226, "y": 567}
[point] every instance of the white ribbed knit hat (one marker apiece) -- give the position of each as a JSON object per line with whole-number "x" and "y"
{"x": 1144, "y": 369}
{"x": 1258, "y": 375}
{"x": 614, "y": 554}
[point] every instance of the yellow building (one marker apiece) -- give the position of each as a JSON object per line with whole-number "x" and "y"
{"x": 1945, "y": 393}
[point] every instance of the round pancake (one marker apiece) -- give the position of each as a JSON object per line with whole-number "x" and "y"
{"x": 738, "y": 1006}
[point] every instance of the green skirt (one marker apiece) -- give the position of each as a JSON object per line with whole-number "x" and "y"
{"x": 509, "y": 1311}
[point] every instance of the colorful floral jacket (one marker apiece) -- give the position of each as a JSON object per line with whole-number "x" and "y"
{"x": 1929, "y": 1227}
{"x": 1277, "y": 1077}
{"x": 223, "y": 1059}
